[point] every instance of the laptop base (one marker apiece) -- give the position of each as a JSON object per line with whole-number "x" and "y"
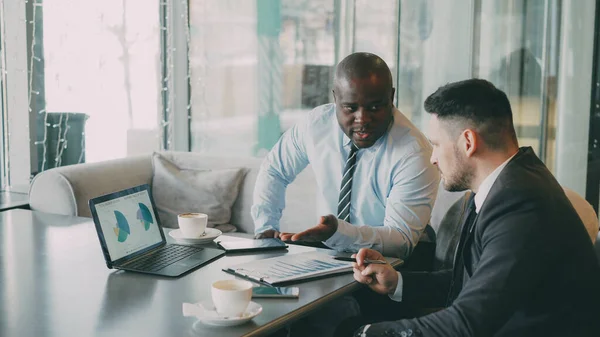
{"x": 190, "y": 263}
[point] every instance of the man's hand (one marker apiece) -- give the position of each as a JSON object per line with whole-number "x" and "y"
{"x": 269, "y": 233}
{"x": 286, "y": 236}
{"x": 327, "y": 226}
{"x": 381, "y": 278}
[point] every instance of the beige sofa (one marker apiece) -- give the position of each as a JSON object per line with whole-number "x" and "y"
{"x": 66, "y": 190}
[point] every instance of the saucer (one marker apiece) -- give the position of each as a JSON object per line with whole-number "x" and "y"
{"x": 206, "y": 313}
{"x": 209, "y": 235}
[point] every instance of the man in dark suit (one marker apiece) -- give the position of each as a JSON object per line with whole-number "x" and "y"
{"x": 524, "y": 265}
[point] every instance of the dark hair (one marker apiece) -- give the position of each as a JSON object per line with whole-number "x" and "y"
{"x": 477, "y": 104}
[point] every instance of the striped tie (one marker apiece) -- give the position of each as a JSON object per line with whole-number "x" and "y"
{"x": 344, "y": 203}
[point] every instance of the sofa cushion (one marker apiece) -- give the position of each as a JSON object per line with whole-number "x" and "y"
{"x": 240, "y": 212}
{"x": 179, "y": 190}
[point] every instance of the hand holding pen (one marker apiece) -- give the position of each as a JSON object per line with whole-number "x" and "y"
{"x": 365, "y": 262}
{"x": 380, "y": 277}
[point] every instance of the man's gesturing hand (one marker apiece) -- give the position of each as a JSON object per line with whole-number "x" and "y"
{"x": 381, "y": 278}
{"x": 326, "y": 227}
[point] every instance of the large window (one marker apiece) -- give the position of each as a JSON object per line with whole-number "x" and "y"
{"x": 435, "y": 47}
{"x": 3, "y": 177}
{"x": 115, "y": 78}
{"x": 518, "y": 51}
{"x": 257, "y": 67}
{"x": 95, "y": 81}
{"x": 512, "y": 43}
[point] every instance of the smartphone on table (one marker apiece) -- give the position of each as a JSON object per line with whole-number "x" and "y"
{"x": 275, "y": 292}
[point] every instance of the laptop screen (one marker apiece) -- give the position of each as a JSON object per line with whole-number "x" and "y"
{"x": 128, "y": 224}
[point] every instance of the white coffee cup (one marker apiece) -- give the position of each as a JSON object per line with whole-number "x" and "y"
{"x": 192, "y": 225}
{"x": 231, "y": 297}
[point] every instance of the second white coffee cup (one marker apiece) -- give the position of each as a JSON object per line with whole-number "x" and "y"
{"x": 192, "y": 225}
{"x": 231, "y": 297}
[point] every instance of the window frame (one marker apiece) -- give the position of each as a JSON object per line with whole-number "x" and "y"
{"x": 16, "y": 115}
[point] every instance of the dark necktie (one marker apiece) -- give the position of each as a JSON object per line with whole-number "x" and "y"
{"x": 458, "y": 270}
{"x": 346, "y": 186}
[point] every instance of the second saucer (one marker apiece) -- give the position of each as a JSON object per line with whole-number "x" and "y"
{"x": 209, "y": 235}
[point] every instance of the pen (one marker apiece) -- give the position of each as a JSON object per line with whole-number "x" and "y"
{"x": 366, "y": 261}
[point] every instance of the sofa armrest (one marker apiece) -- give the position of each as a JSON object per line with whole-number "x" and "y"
{"x": 67, "y": 190}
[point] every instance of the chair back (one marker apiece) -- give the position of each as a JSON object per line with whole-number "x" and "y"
{"x": 597, "y": 247}
{"x": 585, "y": 211}
{"x": 448, "y": 234}
{"x": 448, "y": 230}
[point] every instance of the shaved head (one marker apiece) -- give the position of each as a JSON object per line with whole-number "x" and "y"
{"x": 362, "y": 66}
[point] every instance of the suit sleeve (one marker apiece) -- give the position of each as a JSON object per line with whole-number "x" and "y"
{"x": 426, "y": 289}
{"x": 515, "y": 258}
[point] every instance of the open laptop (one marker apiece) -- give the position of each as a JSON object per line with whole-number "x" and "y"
{"x": 132, "y": 239}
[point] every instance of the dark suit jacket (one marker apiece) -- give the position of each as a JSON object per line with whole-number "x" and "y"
{"x": 529, "y": 267}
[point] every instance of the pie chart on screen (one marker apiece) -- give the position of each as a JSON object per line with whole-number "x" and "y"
{"x": 144, "y": 215}
{"x": 122, "y": 230}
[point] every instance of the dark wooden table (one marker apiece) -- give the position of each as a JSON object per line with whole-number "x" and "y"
{"x": 54, "y": 282}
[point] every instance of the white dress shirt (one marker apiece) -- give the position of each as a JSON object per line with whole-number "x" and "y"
{"x": 480, "y": 196}
{"x": 393, "y": 187}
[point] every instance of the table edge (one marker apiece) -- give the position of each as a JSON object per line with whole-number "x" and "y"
{"x": 302, "y": 311}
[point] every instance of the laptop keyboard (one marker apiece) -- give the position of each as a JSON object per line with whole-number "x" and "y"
{"x": 163, "y": 257}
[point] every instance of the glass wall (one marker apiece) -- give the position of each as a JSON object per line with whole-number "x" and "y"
{"x": 3, "y": 177}
{"x": 375, "y": 30}
{"x": 96, "y": 81}
{"x": 256, "y": 68}
{"x": 518, "y": 51}
{"x": 574, "y": 109}
{"x": 276, "y": 65}
{"x": 435, "y": 47}
{"x": 100, "y": 71}
{"x": 280, "y": 55}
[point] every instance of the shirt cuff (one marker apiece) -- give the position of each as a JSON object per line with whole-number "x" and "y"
{"x": 264, "y": 228}
{"x": 343, "y": 237}
{"x": 397, "y": 295}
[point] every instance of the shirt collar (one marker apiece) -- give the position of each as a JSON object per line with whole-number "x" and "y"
{"x": 346, "y": 140}
{"x": 488, "y": 182}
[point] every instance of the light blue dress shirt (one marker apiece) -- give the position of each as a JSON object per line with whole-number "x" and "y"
{"x": 393, "y": 189}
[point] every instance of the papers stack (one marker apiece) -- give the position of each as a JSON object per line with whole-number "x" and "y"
{"x": 291, "y": 267}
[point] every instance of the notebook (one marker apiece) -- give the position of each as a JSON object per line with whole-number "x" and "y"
{"x": 131, "y": 237}
{"x": 290, "y": 268}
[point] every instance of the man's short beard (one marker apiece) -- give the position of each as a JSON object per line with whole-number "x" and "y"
{"x": 463, "y": 174}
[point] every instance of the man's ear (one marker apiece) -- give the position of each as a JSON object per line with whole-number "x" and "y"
{"x": 470, "y": 140}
